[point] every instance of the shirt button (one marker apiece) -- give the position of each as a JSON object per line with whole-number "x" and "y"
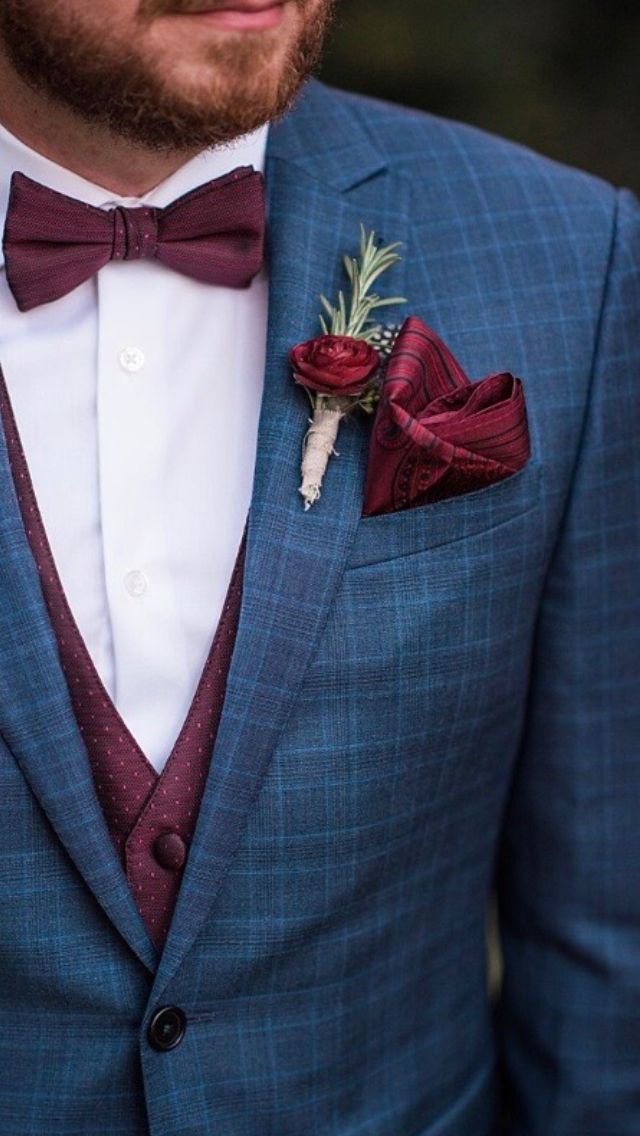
{"x": 136, "y": 583}
{"x": 131, "y": 359}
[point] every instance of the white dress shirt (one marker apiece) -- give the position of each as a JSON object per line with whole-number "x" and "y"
{"x": 137, "y": 399}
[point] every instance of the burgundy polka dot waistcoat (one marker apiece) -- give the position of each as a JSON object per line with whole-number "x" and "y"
{"x": 151, "y": 816}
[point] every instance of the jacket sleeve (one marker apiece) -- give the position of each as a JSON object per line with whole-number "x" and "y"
{"x": 569, "y": 876}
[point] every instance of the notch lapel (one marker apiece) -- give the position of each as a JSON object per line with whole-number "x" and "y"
{"x": 295, "y": 559}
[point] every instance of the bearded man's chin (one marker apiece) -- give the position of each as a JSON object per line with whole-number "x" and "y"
{"x": 119, "y": 86}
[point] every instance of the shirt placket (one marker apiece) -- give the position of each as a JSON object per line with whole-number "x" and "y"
{"x": 133, "y": 463}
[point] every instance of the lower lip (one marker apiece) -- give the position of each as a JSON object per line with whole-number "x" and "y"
{"x": 235, "y": 20}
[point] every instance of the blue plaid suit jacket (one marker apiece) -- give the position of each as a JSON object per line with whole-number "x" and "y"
{"x": 421, "y": 706}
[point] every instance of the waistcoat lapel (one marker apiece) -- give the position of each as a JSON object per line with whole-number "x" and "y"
{"x": 38, "y": 725}
{"x": 320, "y": 173}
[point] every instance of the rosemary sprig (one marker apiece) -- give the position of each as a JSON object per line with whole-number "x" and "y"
{"x": 362, "y": 273}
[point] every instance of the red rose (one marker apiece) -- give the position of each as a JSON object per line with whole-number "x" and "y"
{"x": 334, "y": 364}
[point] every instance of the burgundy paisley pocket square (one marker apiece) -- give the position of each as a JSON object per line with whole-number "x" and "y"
{"x": 436, "y": 434}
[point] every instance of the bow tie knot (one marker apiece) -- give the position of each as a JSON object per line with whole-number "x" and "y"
{"x": 135, "y": 232}
{"x": 53, "y": 243}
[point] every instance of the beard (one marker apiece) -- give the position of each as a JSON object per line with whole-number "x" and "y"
{"x": 100, "y": 78}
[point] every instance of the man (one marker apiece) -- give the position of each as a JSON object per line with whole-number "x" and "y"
{"x": 275, "y": 924}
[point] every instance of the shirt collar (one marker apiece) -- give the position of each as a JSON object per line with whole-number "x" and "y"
{"x": 249, "y": 150}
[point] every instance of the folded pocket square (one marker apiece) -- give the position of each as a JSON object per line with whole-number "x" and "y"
{"x": 435, "y": 433}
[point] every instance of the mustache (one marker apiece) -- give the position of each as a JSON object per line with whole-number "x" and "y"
{"x": 150, "y": 9}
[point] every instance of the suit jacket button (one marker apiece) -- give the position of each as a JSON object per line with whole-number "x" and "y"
{"x": 170, "y": 851}
{"x": 167, "y": 1028}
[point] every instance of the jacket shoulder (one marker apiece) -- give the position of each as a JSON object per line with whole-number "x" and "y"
{"x": 428, "y": 148}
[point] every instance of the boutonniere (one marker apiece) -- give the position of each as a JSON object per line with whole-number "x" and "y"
{"x": 342, "y": 369}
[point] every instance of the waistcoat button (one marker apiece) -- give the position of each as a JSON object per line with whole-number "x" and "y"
{"x": 170, "y": 850}
{"x": 167, "y": 1028}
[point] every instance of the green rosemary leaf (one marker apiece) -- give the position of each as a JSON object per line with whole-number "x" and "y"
{"x": 390, "y": 300}
{"x": 366, "y": 243}
{"x": 362, "y": 273}
{"x": 328, "y": 307}
{"x": 370, "y": 334}
{"x": 351, "y": 266}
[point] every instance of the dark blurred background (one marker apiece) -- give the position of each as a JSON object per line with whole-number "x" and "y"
{"x": 562, "y": 76}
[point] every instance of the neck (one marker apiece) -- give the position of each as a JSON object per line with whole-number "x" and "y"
{"x": 91, "y": 152}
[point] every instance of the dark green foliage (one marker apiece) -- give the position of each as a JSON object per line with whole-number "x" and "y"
{"x": 562, "y": 76}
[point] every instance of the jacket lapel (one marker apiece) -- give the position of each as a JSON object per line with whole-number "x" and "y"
{"x": 295, "y": 559}
{"x": 325, "y": 178}
{"x": 38, "y": 725}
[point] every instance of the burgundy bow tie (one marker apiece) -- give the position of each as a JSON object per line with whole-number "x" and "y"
{"x": 53, "y": 243}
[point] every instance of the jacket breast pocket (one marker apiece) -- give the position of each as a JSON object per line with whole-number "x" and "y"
{"x": 392, "y": 535}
